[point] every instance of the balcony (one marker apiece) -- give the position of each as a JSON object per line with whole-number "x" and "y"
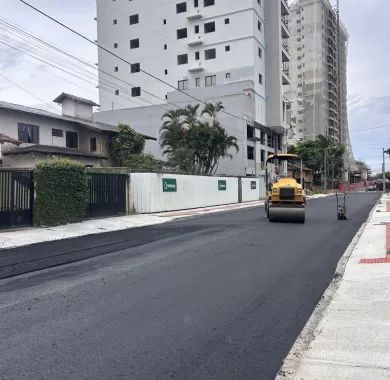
{"x": 195, "y": 42}
{"x": 196, "y": 68}
{"x": 286, "y": 73}
{"x": 285, "y": 30}
{"x": 194, "y": 15}
{"x": 285, "y": 8}
{"x": 285, "y": 52}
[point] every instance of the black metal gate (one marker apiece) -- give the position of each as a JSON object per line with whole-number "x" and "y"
{"x": 16, "y": 198}
{"x": 106, "y": 195}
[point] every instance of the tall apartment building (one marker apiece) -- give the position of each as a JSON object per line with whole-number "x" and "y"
{"x": 214, "y": 50}
{"x": 318, "y": 70}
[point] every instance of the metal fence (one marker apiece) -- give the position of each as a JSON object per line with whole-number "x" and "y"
{"x": 106, "y": 195}
{"x": 16, "y": 198}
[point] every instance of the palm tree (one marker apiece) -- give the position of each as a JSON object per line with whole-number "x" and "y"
{"x": 212, "y": 110}
{"x": 194, "y": 145}
{"x": 171, "y": 131}
{"x": 190, "y": 114}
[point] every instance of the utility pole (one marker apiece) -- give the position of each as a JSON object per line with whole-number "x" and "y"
{"x": 326, "y": 172}
{"x": 384, "y": 170}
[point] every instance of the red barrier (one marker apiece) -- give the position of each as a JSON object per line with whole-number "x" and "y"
{"x": 354, "y": 186}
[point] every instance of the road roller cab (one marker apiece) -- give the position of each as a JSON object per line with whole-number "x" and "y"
{"x": 285, "y": 195}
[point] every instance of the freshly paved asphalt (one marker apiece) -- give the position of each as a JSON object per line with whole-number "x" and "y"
{"x": 217, "y": 297}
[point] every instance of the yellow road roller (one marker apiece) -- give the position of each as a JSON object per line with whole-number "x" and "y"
{"x": 286, "y": 201}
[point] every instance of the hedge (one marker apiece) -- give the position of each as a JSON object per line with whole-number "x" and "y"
{"x": 60, "y": 188}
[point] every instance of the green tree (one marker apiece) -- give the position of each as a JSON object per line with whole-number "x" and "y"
{"x": 193, "y": 144}
{"x": 126, "y": 143}
{"x": 323, "y": 155}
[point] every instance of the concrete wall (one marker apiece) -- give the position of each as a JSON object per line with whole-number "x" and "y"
{"x": 147, "y": 194}
{"x": 74, "y": 108}
{"x": 29, "y": 160}
{"x": 248, "y": 193}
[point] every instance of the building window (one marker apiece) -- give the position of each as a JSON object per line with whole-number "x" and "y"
{"x": 92, "y": 144}
{"x": 197, "y": 56}
{"x": 210, "y": 54}
{"x": 181, "y": 7}
{"x": 182, "y": 59}
{"x": 28, "y": 134}
{"x": 250, "y": 152}
{"x": 227, "y": 76}
{"x": 72, "y": 140}
{"x": 115, "y": 22}
{"x": 262, "y": 138}
{"x": 260, "y": 52}
{"x": 116, "y": 69}
{"x": 134, "y": 19}
{"x": 134, "y": 44}
{"x": 196, "y": 3}
{"x": 182, "y": 84}
{"x": 209, "y": 27}
{"x": 181, "y": 33}
{"x": 227, "y": 48}
{"x": 197, "y": 82}
{"x": 196, "y": 29}
{"x": 250, "y": 132}
{"x": 165, "y": 46}
{"x": 116, "y": 92}
{"x": 260, "y": 79}
{"x": 259, "y": 25}
{"x": 115, "y": 45}
{"x": 227, "y": 20}
{"x": 207, "y": 3}
{"x": 136, "y": 91}
{"x": 166, "y": 72}
{"x": 57, "y": 132}
{"x": 211, "y": 80}
{"x": 165, "y": 21}
{"x": 135, "y": 68}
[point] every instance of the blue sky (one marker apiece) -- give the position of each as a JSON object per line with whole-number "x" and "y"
{"x": 368, "y": 61}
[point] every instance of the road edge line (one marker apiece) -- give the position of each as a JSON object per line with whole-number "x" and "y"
{"x": 301, "y": 345}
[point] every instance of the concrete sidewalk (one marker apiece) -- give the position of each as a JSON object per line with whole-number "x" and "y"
{"x": 349, "y": 338}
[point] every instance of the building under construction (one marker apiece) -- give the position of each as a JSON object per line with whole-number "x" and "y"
{"x": 318, "y": 70}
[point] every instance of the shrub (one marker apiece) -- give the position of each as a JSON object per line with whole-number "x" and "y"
{"x": 126, "y": 143}
{"x": 60, "y": 186}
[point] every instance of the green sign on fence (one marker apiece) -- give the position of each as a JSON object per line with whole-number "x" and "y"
{"x": 169, "y": 185}
{"x": 253, "y": 185}
{"x": 222, "y": 185}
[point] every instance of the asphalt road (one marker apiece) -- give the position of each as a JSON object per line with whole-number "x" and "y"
{"x": 217, "y": 297}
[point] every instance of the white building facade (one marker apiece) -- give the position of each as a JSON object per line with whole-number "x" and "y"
{"x": 318, "y": 70}
{"x": 213, "y": 50}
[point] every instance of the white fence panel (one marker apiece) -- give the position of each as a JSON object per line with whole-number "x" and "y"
{"x": 251, "y": 192}
{"x": 250, "y": 189}
{"x": 148, "y": 196}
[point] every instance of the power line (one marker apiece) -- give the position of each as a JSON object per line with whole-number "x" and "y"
{"x": 28, "y": 92}
{"x": 77, "y": 73}
{"x": 369, "y": 129}
{"x": 119, "y": 57}
{"x": 53, "y": 47}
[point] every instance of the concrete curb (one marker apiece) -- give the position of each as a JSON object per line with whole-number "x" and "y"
{"x": 293, "y": 359}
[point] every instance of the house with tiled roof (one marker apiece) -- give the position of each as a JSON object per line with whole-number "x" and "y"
{"x": 28, "y": 135}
